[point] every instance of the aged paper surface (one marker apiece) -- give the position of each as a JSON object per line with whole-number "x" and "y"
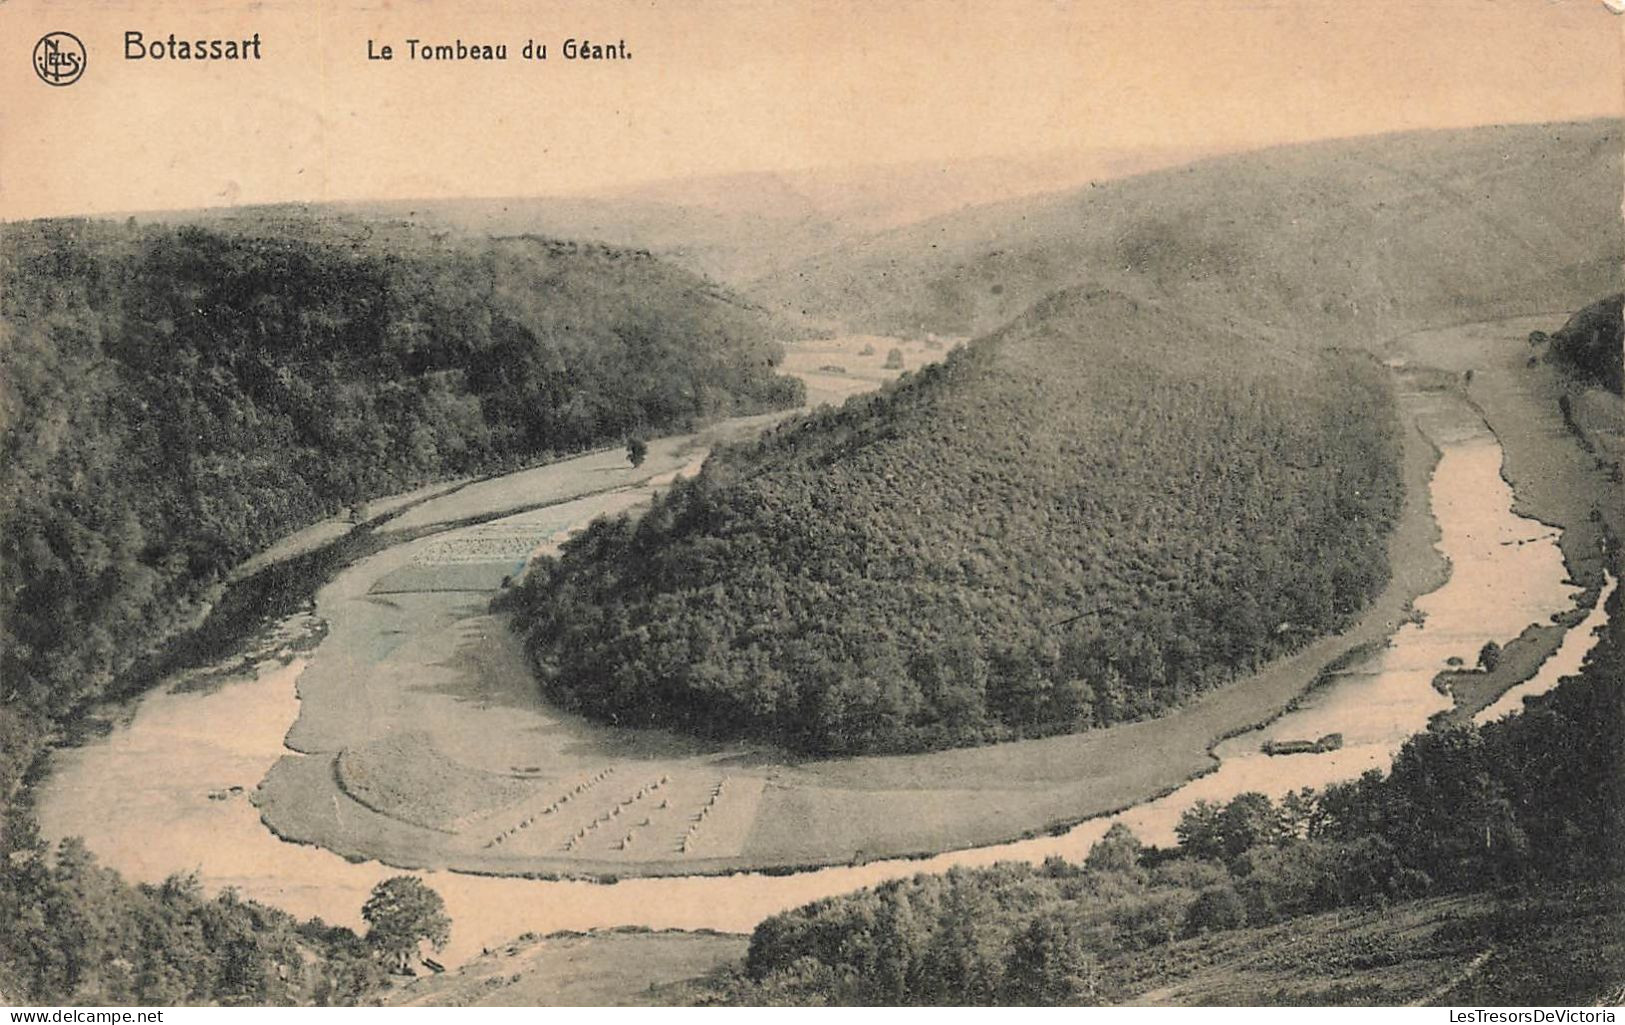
{"x": 1279, "y": 425}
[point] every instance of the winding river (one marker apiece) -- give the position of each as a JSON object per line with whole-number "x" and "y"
{"x": 148, "y": 798}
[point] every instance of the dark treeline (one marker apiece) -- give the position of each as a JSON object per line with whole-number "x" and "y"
{"x": 73, "y": 932}
{"x": 1534, "y": 801}
{"x": 174, "y": 398}
{"x": 1592, "y": 342}
{"x": 1081, "y": 520}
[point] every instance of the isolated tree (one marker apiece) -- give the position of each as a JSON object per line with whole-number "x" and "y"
{"x": 894, "y": 359}
{"x": 636, "y": 451}
{"x": 401, "y": 912}
{"x": 1489, "y": 656}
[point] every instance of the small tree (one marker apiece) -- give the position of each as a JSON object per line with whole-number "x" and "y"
{"x": 636, "y": 451}
{"x": 1117, "y": 851}
{"x": 894, "y": 359}
{"x": 1199, "y": 831}
{"x": 1489, "y": 656}
{"x": 1249, "y": 820}
{"x": 401, "y": 912}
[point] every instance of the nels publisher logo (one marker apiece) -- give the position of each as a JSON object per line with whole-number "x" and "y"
{"x": 59, "y": 58}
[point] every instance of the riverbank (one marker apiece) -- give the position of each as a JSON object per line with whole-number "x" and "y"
{"x": 779, "y": 814}
{"x": 1559, "y": 478}
{"x": 472, "y": 711}
{"x": 1556, "y": 480}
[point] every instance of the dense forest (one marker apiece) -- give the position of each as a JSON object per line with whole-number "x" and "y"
{"x": 176, "y": 397}
{"x": 1531, "y": 803}
{"x": 1592, "y": 343}
{"x": 72, "y": 931}
{"x": 1082, "y": 519}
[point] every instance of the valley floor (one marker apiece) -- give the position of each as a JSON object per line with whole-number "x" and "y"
{"x": 417, "y": 685}
{"x": 457, "y": 740}
{"x": 421, "y": 740}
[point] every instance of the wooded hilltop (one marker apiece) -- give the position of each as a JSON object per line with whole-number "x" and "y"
{"x": 1082, "y": 519}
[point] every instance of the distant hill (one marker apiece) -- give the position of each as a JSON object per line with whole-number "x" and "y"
{"x": 1347, "y": 241}
{"x": 174, "y": 398}
{"x": 1082, "y": 519}
{"x": 736, "y": 228}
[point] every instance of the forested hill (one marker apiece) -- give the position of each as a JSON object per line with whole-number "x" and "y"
{"x": 1082, "y": 519}
{"x": 1351, "y": 241}
{"x": 1530, "y": 808}
{"x": 175, "y": 397}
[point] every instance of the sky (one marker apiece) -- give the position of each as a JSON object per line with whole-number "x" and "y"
{"x": 723, "y": 86}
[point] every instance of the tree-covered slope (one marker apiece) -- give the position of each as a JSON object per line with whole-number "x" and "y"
{"x": 72, "y": 931}
{"x": 1082, "y": 519}
{"x": 1351, "y": 240}
{"x": 175, "y": 397}
{"x": 1529, "y": 810}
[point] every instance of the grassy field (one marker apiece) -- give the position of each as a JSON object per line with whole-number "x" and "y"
{"x": 1476, "y": 689}
{"x": 1349, "y": 242}
{"x": 835, "y": 369}
{"x": 602, "y": 969}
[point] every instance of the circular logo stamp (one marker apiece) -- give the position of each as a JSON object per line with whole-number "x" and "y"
{"x": 59, "y": 58}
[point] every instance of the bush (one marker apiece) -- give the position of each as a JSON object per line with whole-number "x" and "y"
{"x": 1215, "y": 908}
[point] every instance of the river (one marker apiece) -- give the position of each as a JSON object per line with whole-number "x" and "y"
{"x": 152, "y": 798}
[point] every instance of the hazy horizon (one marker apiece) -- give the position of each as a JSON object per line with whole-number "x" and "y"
{"x": 1155, "y": 158}
{"x": 742, "y": 88}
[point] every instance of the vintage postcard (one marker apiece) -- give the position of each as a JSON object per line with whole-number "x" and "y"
{"x": 812, "y": 502}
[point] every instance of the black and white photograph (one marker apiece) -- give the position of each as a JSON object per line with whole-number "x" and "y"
{"x": 829, "y": 503}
